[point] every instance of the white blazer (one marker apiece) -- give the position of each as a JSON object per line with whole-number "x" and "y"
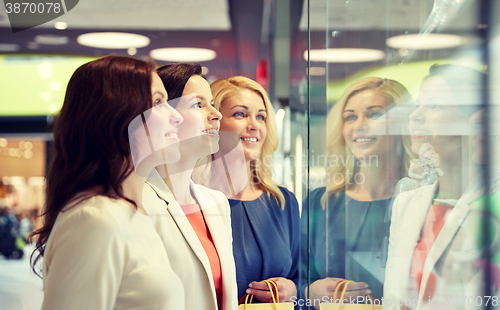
{"x": 185, "y": 251}
{"x": 453, "y": 258}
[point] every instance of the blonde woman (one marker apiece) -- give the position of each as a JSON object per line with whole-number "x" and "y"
{"x": 264, "y": 216}
{"x": 349, "y": 218}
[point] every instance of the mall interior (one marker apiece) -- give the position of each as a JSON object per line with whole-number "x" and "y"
{"x": 369, "y": 180}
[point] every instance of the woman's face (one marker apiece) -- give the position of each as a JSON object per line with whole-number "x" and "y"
{"x": 155, "y": 142}
{"x": 245, "y": 114}
{"x": 437, "y": 119}
{"x": 199, "y": 132}
{"x": 366, "y": 125}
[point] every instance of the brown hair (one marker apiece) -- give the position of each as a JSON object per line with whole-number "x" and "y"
{"x": 175, "y": 77}
{"x": 91, "y": 149}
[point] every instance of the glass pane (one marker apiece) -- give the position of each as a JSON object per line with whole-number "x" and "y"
{"x": 402, "y": 183}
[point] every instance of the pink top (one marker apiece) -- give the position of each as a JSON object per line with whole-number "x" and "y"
{"x": 433, "y": 224}
{"x": 197, "y": 220}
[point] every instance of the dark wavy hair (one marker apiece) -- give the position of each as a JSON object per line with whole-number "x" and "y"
{"x": 465, "y": 84}
{"x": 175, "y": 77}
{"x": 91, "y": 149}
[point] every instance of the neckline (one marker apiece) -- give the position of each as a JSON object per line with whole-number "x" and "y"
{"x": 258, "y": 198}
{"x": 349, "y": 197}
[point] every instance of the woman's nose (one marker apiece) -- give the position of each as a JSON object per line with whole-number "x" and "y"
{"x": 214, "y": 114}
{"x": 175, "y": 116}
{"x": 252, "y": 124}
{"x": 417, "y": 114}
{"x": 360, "y": 124}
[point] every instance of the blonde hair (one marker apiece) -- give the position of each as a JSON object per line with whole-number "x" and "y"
{"x": 338, "y": 173}
{"x": 223, "y": 90}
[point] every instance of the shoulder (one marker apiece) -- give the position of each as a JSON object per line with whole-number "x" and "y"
{"x": 317, "y": 194}
{"x": 97, "y": 218}
{"x": 423, "y": 191}
{"x": 208, "y": 193}
{"x": 291, "y": 203}
{"x": 289, "y": 196}
{"x": 208, "y": 197}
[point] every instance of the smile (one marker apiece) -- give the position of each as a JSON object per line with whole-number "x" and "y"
{"x": 249, "y": 139}
{"x": 420, "y": 132}
{"x": 211, "y": 131}
{"x": 361, "y": 140}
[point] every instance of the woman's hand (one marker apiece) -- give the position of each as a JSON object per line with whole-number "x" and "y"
{"x": 260, "y": 290}
{"x": 326, "y": 287}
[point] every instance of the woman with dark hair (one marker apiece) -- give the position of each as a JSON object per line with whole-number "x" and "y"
{"x": 436, "y": 250}
{"x": 99, "y": 247}
{"x": 193, "y": 221}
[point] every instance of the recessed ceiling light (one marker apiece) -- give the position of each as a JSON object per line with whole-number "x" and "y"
{"x": 431, "y": 41}
{"x": 51, "y": 39}
{"x": 132, "y": 51}
{"x": 9, "y": 47}
{"x": 113, "y": 40}
{"x": 32, "y": 45}
{"x": 345, "y": 55}
{"x": 183, "y": 54}
{"x": 61, "y": 25}
{"x": 317, "y": 71}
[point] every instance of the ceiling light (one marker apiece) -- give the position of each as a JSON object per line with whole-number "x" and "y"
{"x": 9, "y": 47}
{"x": 204, "y": 70}
{"x": 345, "y": 55}
{"x": 317, "y": 71}
{"x": 32, "y": 45}
{"x": 45, "y": 69}
{"x": 55, "y": 85}
{"x": 132, "y": 51}
{"x": 431, "y": 41}
{"x": 113, "y": 40}
{"x": 50, "y": 39}
{"x": 61, "y": 25}
{"x": 183, "y": 54}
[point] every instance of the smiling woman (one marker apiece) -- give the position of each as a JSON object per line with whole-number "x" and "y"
{"x": 193, "y": 221}
{"x": 261, "y": 209}
{"x": 351, "y": 214}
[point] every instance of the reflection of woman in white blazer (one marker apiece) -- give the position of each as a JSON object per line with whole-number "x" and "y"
{"x": 434, "y": 245}
{"x": 192, "y": 220}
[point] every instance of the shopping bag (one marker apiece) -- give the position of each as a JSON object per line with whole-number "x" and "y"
{"x": 338, "y": 305}
{"x": 276, "y": 305}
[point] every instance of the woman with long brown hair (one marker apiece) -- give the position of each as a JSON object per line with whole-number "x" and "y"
{"x": 99, "y": 247}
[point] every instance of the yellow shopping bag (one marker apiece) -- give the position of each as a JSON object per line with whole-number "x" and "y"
{"x": 276, "y": 305}
{"x": 339, "y": 304}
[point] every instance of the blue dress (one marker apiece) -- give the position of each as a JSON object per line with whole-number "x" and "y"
{"x": 265, "y": 239}
{"x": 349, "y": 239}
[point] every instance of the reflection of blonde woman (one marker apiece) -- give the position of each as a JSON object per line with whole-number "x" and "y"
{"x": 349, "y": 218}
{"x": 264, "y": 217}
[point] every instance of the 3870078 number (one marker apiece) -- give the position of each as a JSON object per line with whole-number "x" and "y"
{"x": 471, "y": 301}
{"x": 33, "y": 8}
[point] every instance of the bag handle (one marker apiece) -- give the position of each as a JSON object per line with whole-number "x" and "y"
{"x": 271, "y": 284}
{"x": 346, "y": 282}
